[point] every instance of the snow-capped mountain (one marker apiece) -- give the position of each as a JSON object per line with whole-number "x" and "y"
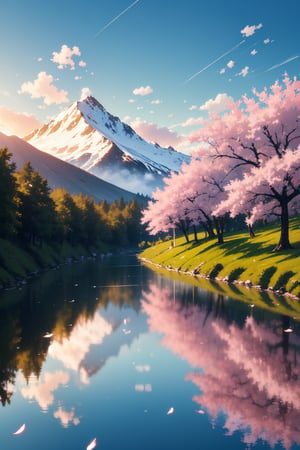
{"x": 88, "y": 136}
{"x": 60, "y": 174}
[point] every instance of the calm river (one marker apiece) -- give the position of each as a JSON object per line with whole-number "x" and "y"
{"x": 111, "y": 355}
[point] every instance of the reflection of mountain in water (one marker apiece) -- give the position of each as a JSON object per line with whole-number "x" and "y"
{"x": 128, "y": 329}
{"x": 248, "y": 371}
{"x": 93, "y": 341}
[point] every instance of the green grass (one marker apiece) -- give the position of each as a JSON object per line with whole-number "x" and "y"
{"x": 240, "y": 259}
{"x": 18, "y": 263}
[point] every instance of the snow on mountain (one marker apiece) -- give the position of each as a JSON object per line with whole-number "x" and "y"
{"x": 61, "y": 174}
{"x": 88, "y": 136}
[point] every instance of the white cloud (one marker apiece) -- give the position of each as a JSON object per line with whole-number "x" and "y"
{"x": 12, "y": 122}
{"x": 267, "y": 41}
{"x": 191, "y": 108}
{"x": 40, "y": 59}
{"x": 77, "y": 77}
{"x": 218, "y": 104}
{"x": 131, "y": 100}
{"x": 152, "y": 133}
{"x": 85, "y": 92}
{"x": 82, "y": 63}
{"x": 249, "y": 30}
{"x": 42, "y": 87}
{"x": 64, "y": 57}
{"x": 156, "y": 102}
{"x": 253, "y": 52}
{"x": 143, "y": 90}
{"x": 230, "y": 64}
{"x": 222, "y": 71}
{"x": 192, "y": 121}
{"x": 243, "y": 72}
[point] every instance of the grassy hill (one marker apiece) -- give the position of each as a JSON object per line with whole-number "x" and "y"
{"x": 17, "y": 264}
{"x": 236, "y": 265}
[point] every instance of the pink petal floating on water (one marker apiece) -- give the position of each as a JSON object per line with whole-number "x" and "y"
{"x": 288, "y": 330}
{"x": 20, "y": 430}
{"x": 126, "y": 331}
{"x": 48, "y": 335}
{"x": 92, "y": 445}
{"x": 200, "y": 411}
{"x": 171, "y": 410}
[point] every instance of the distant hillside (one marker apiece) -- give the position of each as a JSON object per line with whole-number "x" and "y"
{"x": 61, "y": 174}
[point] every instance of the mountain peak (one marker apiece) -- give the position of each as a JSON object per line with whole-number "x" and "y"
{"x": 88, "y": 136}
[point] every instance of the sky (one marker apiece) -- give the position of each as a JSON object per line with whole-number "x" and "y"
{"x": 162, "y": 66}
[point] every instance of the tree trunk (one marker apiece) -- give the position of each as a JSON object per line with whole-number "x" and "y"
{"x": 219, "y": 229}
{"x": 251, "y": 232}
{"x": 186, "y": 236}
{"x": 208, "y": 227}
{"x": 195, "y": 233}
{"x": 284, "y": 240}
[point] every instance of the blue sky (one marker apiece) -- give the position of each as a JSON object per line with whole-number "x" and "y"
{"x": 160, "y": 65}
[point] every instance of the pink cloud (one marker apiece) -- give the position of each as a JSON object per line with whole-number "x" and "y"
{"x": 43, "y": 87}
{"x": 82, "y": 63}
{"x": 151, "y": 132}
{"x": 64, "y": 57}
{"x": 17, "y": 123}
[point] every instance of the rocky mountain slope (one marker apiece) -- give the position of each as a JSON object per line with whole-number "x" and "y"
{"x": 88, "y": 136}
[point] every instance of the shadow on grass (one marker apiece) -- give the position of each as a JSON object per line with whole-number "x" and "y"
{"x": 247, "y": 248}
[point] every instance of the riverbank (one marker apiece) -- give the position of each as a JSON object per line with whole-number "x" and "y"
{"x": 18, "y": 264}
{"x": 240, "y": 260}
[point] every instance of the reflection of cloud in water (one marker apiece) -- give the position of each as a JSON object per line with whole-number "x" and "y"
{"x": 42, "y": 389}
{"x": 72, "y": 351}
{"x": 66, "y": 417}
{"x": 145, "y": 368}
{"x": 250, "y": 372}
{"x": 143, "y": 387}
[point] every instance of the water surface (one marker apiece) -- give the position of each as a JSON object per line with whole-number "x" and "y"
{"x": 112, "y": 353}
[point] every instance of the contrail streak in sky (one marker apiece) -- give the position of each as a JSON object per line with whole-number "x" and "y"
{"x": 283, "y": 62}
{"x": 213, "y": 62}
{"x": 116, "y": 18}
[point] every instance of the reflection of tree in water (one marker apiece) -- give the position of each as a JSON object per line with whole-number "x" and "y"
{"x": 49, "y": 306}
{"x": 250, "y": 372}
{"x": 9, "y": 338}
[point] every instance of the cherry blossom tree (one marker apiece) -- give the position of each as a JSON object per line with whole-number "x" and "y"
{"x": 163, "y": 212}
{"x": 189, "y": 198}
{"x": 254, "y": 131}
{"x": 267, "y": 191}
